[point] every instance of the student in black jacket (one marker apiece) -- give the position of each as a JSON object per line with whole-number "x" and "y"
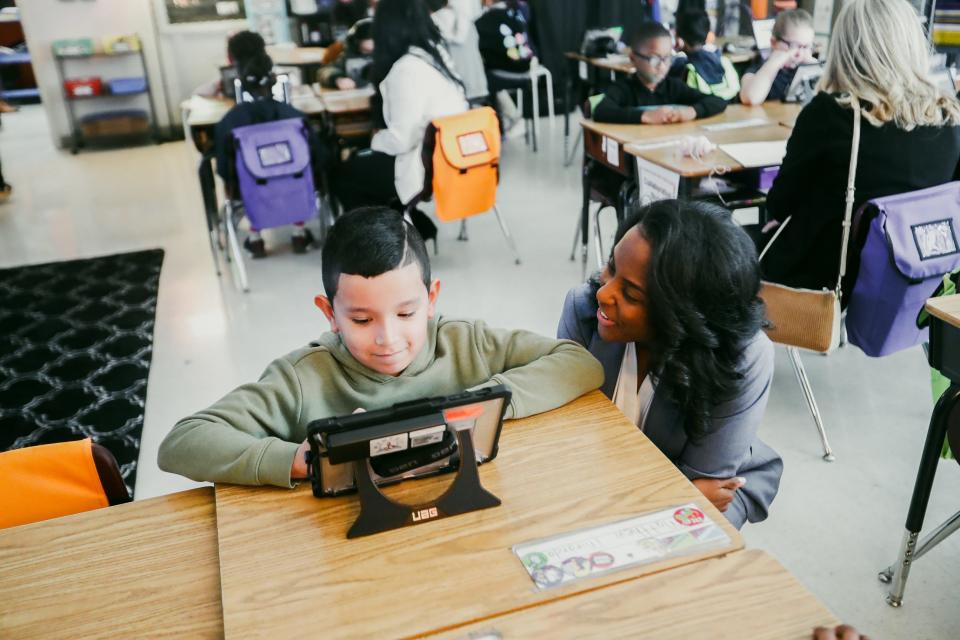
{"x": 649, "y": 96}
{"x": 909, "y": 139}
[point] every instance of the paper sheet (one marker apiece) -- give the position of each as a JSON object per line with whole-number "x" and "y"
{"x": 757, "y": 154}
{"x": 742, "y": 124}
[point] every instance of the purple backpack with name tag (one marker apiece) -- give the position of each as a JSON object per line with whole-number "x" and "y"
{"x": 274, "y": 172}
{"x": 911, "y": 242}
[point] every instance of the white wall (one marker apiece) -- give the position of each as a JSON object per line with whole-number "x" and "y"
{"x": 47, "y": 20}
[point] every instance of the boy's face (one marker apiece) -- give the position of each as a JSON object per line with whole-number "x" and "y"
{"x": 652, "y": 60}
{"x": 382, "y": 320}
{"x": 797, "y": 41}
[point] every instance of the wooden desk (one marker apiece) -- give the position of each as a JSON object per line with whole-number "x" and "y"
{"x": 944, "y": 356}
{"x": 746, "y": 594}
{"x": 348, "y": 111}
{"x": 147, "y": 568}
{"x": 287, "y": 567}
{"x": 307, "y": 59}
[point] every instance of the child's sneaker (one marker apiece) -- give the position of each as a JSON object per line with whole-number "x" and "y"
{"x": 302, "y": 241}
{"x": 256, "y": 248}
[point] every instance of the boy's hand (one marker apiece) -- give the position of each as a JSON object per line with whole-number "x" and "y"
{"x": 661, "y": 115}
{"x": 778, "y": 58}
{"x": 345, "y": 83}
{"x": 299, "y": 471}
{"x": 686, "y": 114}
{"x": 719, "y": 492}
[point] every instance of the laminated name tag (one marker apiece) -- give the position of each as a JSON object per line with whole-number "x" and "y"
{"x": 677, "y": 531}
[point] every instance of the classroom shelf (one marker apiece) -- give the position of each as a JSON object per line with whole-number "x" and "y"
{"x": 97, "y": 54}
{"x": 106, "y": 95}
{"x": 20, "y": 94}
{"x": 14, "y": 58}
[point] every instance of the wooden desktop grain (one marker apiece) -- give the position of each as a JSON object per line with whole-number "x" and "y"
{"x": 144, "y": 569}
{"x": 287, "y": 567}
{"x": 947, "y": 308}
{"x": 742, "y": 595}
{"x": 296, "y": 56}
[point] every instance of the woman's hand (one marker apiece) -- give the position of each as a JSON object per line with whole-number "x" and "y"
{"x": 719, "y": 492}
{"x": 298, "y": 470}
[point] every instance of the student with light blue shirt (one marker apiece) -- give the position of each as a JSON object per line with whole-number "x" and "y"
{"x": 676, "y": 321}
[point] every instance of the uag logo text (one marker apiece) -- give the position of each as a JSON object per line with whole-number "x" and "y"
{"x": 425, "y": 514}
{"x": 934, "y": 239}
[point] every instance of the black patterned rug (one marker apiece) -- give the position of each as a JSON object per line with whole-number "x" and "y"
{"x": 76, "y": 340}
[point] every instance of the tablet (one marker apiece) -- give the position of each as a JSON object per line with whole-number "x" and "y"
{"x": 408, "y": 440}
{"x": 804, "y": 84}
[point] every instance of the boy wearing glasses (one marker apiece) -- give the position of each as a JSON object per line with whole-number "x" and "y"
{"x": 791, "y": 46}
{"x": 650, "y": 96}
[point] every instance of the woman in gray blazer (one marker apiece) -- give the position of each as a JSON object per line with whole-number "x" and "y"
{"x": 677, "y": 324}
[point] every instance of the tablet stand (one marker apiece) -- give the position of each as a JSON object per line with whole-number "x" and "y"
{"x": 380, "y": 513}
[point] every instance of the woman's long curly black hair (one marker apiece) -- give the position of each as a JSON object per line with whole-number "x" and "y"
{"x": 703, "y": 305}
{"x": 399, "y": 25}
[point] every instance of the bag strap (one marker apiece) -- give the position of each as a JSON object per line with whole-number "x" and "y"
{"x": 783, "y": 225}
{"x": 851, "y": 190}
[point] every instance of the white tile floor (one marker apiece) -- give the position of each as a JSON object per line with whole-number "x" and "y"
{"x": 834, "y": 525}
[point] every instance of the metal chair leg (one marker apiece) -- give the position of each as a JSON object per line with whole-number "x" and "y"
{"x": 572, "y": 151}
{"x": 941, "y": 533}
{"x": 597, "y": 237}
{"x": 576, "y": 241}
{"x": 548, "y": 78}
{"x": 811, "y": 401}
{"x": 234, "y": 248}
{"x": 506, "y": 234}
{"x": 462, "y": 237}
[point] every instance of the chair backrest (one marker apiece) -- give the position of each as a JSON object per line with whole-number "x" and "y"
{"x": 462, "y": 161}
{"x": 53, "y": 480}
{"x": 909, "y": 241}
{"x": 274, "y": 174}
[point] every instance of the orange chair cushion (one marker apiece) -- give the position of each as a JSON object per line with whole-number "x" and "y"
{"x": 466, "y": 158}
{"x": 48, "y": 481}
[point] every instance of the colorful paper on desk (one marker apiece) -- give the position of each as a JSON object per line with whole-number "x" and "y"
{"x": 656, "y": 183}
{"x": 757, "y": 154}
{"x": 677, "y": 531}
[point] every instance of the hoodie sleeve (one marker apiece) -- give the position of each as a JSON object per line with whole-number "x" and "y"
{"x": 243, "y": 438}
{"x": 543, "y": 373}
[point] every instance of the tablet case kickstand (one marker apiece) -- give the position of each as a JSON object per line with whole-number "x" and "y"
{"x": 380, "y": 513}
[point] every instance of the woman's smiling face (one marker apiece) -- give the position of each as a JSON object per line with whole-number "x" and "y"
{"x": 623, "y": 315}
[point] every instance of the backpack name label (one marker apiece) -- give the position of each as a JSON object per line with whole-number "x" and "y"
{"x": 935, "y": 239}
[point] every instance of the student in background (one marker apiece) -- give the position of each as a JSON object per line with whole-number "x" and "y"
{"x": 650, "y": 96}
{"x": 507, "y": 51}
{"x": 909, "y": 140}
{"x": 241, "y": 47}
{"x": 257, "y": 79}
{"x": 385, "y": 346}
{"x": 455, "y": 19}
{"x": 704, "y": 68}
{"x": 418, "y": 84}
{"x": 351, "y": 69}
{"x": 676, "y": 321}
{"x": 790, "y": 46}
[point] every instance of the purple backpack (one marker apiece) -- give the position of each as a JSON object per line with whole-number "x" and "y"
{"x": 274, "y": 172}
{"x": 911, "y": 242}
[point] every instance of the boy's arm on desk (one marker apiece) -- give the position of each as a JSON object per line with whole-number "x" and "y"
{"x": 243, "y": 438}
{"x": 543, "y": 373}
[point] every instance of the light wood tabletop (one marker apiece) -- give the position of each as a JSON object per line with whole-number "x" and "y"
{"x": 147, "y": 568}
{"x": 287, "y": 566}
{"x": 296, "y": 56}
{"x": 742, "y": 595}
{"x": 345, "y": 101}
{"x": 947, "y": 308}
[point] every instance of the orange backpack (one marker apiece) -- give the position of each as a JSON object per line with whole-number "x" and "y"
{"x": 53, "y": 480}
{"x": 465, "y": 163}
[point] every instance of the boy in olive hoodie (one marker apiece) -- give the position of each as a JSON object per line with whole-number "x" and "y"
{"x": 385, "y": 346}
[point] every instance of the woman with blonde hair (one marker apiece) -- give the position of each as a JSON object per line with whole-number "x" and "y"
{"x": 878, "y": 58}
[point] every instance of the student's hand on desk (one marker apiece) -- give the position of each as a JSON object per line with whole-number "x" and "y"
{"x": 298, "y": 471}
{"x": 843, "y": 632}
{"x": 685, "y": 114}
{"x": 663, "y": 115}
{"x": 346, "y": 83}
{"x": 719, "y": 492}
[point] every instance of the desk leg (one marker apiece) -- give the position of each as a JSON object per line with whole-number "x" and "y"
{"x": 585, "y": 213}
{"x": 946, "y": 407}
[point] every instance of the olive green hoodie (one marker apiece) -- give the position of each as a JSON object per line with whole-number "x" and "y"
{"x": 251, "y": 435}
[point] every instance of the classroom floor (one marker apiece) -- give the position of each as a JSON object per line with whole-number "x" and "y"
{"x": 834, "y": 525}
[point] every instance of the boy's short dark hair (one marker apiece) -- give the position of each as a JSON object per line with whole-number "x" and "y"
{"x": 646, "y": 32}
{"x": 369, "y": 242}
{"x": 693, "y": 27}
{"x": 245, "y": 45}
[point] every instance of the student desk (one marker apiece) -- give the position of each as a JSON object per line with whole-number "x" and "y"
{"x": 944, "y": 355}
{"x": 141, "y": 569}
{"x": 287, "y": 567}
{"x": 307, "y": 59}
{"x": 742, "y": 595}
{"x": 630, "y": 141}
{"x": 348, "y": 111}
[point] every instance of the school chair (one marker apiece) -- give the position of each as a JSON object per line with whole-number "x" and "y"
{"x": 518, "y": 81}
{"x": 461, "y": 159}
{"x": 52, "y": 480}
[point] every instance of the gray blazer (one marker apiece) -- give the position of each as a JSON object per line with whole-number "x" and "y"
{"x": 730, "y": 448}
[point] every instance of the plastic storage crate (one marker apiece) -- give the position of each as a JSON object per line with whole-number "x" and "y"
{"x": 121, "y": 44}
{"x": 127, "y": 86}
{"x": 115, "y": 123}
{"x": 73, "y": 47}
{"x": 83, "y": 87}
